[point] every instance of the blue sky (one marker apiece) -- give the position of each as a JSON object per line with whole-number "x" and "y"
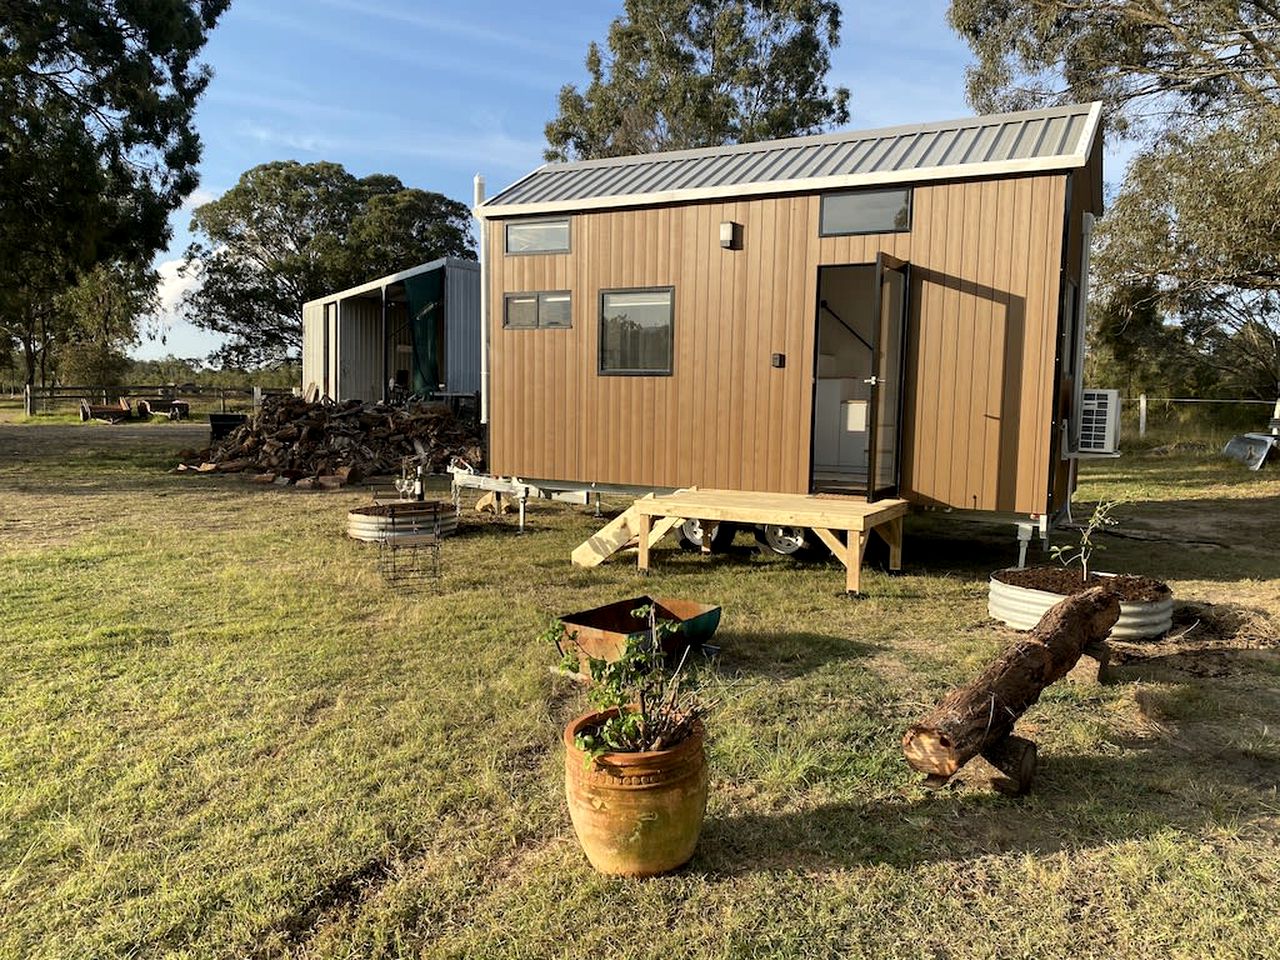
{"x": 436, "y": 92}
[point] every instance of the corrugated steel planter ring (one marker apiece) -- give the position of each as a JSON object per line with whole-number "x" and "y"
{"x": 1022, "y": 608}
{"x": 373, "y": 523}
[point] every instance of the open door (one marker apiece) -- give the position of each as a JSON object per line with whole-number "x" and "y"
{"x": 888, "y": 350}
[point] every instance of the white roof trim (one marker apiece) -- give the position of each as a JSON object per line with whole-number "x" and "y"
{"x": 374, "y": 286}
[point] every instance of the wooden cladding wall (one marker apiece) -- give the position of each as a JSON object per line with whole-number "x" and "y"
{"x": 983, "y": 320}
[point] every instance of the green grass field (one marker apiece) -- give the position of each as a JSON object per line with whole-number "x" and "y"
{"x": 223, "y": 735}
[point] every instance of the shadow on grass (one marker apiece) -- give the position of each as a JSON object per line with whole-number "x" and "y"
{"x": 785, "y": 655}
{"x": 1077, "y": 802}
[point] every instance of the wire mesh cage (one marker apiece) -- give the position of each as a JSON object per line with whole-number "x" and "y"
{"x": 409, "y": 548}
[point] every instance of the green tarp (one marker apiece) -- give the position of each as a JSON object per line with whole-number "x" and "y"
{"x": 425, "y": 296}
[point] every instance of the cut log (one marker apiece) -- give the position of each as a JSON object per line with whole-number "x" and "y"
{"x": 971, "y": 718}
{"x": 1016, "y": 758}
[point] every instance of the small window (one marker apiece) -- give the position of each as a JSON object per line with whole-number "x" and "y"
{"x": 526, "y": 311}
{"x": 866, "y": 211}
{"x": 538, "y": 236}
{"x": 636, "y": 332}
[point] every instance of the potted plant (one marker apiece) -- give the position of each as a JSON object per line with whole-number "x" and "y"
{"x": 1020, "y": 596}
{"x": 635, "y": 766}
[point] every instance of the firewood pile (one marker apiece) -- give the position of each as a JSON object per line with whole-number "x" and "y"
{"x": 329, "y": 445}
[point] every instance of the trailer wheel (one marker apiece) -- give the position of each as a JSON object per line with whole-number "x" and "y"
{"x": 690, "y": 535}
{"x": 797, "y": 542}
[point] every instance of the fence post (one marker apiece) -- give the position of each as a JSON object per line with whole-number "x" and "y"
{"x": 28, "y": 401}
{"x": 257, "y": 398}
{"x": 222, "y": 400}
{"x": 1142, "y": 414}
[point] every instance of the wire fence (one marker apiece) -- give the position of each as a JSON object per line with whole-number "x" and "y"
{"x": 1146, "y": 415}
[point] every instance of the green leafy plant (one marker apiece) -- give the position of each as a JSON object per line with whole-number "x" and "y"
{"x": 654, "y": 708}
{"x": 1082, "y": 552}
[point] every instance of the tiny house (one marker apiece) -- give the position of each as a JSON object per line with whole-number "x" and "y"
{"x": 882, "y": 313}
{"x": 412, "y": 332}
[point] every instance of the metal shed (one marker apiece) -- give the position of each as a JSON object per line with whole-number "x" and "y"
{"x": 418, "y": 329}
{"x": 885, "y": 313}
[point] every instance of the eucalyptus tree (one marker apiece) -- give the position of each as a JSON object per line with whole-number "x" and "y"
{"x": 1195, "y": 86}
{"x": 677, "y": 74}
{"x": 289, "y": 232}
{"x": 97, "y": 142}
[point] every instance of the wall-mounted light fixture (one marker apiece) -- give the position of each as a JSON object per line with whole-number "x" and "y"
{"x": 731, "y": 235}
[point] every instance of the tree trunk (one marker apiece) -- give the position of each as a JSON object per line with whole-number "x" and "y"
{"x": 982, "y": 714}
{"x": 28, "y": 338}
{"x": 1015, "y": 757}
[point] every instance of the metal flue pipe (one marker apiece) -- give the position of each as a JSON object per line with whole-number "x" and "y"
{"x": 482, "y": 253}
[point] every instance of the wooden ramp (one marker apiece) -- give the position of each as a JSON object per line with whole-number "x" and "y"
{"x": 620, "y": 532}
{"x": 827, "y": 517}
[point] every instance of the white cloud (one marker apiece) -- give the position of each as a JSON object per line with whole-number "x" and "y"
{"x": 175, "y": 335}
{"x": 470, "y": 29}
{"x": 197, "y": 198}
{"x": 443, "y": 60}
{"x": 465, "y": 150}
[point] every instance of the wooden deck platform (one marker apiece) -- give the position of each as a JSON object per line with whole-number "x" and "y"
{"x": 825, "y": 515}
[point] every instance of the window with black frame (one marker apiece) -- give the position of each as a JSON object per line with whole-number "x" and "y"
{"x": 551, "y": 310}
{"x": 537, "y": 236}
{"x": 637, "y": 332}
{"x": 865, "y": 211}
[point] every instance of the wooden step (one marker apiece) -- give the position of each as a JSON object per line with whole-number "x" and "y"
{"x": 618, "y": 533}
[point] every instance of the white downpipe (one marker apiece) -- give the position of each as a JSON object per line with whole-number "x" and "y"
{"x": 478, "y": 199}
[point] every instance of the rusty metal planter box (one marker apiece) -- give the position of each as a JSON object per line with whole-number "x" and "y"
{"x": 603, "y": 632}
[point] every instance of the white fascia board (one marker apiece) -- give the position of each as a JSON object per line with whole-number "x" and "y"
{"x": 1091, "y": 125}
{"x": 959, "y": 171}
{"x": 372, "y": 286}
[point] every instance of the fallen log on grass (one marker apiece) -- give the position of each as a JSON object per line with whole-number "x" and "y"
{"x": 978, "y": 718}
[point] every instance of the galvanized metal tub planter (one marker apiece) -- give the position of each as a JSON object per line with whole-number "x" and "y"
{"x": 636, "y": 814}
{"x": 602, "y": 632}
{"x": 1022, "y": 607}
{"x": 373, "y": 523}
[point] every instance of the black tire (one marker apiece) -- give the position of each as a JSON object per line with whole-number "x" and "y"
{"x": 799, "y": 543}
{"x": 689, "y": 534}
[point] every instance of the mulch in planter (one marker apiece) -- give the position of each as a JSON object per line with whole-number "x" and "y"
{"x": 1066, "y": 582}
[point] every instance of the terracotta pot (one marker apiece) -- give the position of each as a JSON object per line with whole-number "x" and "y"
{"x": 636, "y": 814}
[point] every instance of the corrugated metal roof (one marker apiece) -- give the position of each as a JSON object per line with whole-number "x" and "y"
{"x": 1053, "y": 138}
{"x": 374, "y": 286}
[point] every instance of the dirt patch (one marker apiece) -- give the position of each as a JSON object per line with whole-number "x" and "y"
{"x": 1211, "y": 640}
{"x": 1224, "y": 624}
{"x": 1066, "y": 582}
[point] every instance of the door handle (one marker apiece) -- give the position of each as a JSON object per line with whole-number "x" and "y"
{"x": 872, "y": 380}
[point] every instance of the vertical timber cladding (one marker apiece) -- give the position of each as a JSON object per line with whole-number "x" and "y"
{"x": 984, "y": 257}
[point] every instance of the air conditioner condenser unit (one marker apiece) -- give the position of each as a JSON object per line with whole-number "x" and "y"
{"x": 1100, "y": 421}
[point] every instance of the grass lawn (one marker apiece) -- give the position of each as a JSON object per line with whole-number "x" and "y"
{"x": 223, "y": 735}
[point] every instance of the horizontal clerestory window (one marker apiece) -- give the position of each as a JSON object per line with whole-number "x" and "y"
{"x": 537, "y": 236}
{"x": 866, "y": 211}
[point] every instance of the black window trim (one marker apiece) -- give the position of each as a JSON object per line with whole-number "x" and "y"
{"x": 671, "y": 333}
{"x": 506, "y": 242}
{"x": 911, "y": 212}
{"x": 537, "y": 319}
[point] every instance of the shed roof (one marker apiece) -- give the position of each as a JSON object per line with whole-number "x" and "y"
{"x": 1053, "y": 138}
{"x": 375, "y": 286}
